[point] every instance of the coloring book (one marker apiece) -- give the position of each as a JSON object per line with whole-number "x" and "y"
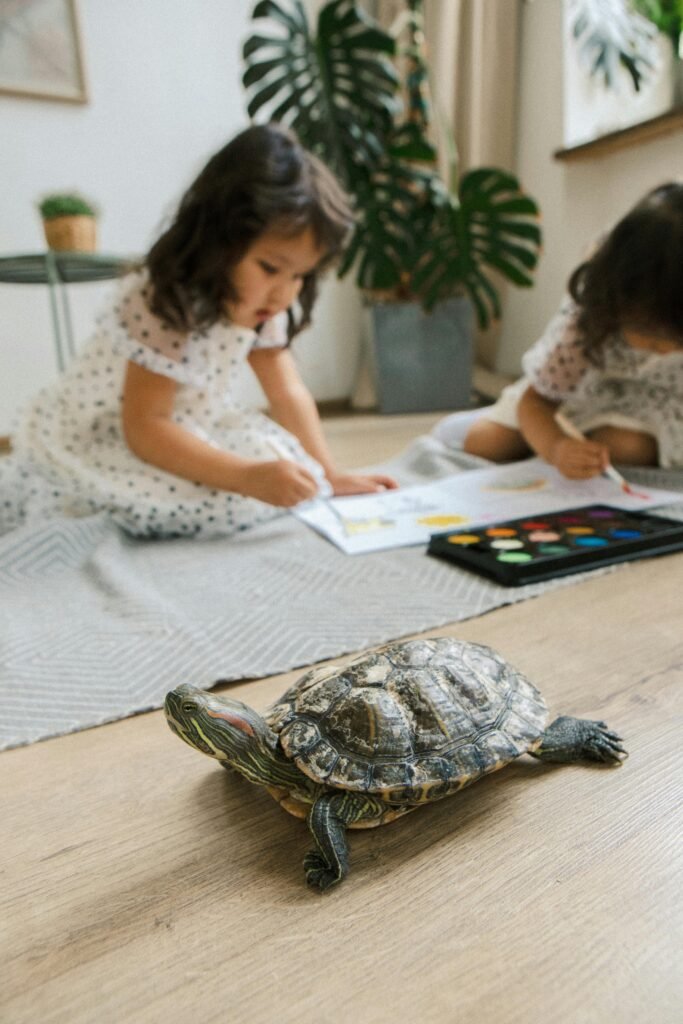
{"x": 410, "y": 515}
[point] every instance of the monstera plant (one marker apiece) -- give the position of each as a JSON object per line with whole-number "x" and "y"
{"x": 423, "y": 250}
{"x": 340, "y": 90}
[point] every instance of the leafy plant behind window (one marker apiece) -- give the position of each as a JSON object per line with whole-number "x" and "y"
{"x": 667, "y": 16}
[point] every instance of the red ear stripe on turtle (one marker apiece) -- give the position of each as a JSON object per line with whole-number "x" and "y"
{"x": 239, "y": 723}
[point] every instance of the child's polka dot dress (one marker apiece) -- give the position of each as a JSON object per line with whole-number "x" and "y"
{"x": 70, "y": 456}
{"x": 631, "y": 388}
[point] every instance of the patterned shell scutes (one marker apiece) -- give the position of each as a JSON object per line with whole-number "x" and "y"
{"x": 411, "y": 722}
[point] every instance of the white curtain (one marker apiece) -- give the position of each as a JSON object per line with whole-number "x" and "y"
{"x": 472, "y": 53}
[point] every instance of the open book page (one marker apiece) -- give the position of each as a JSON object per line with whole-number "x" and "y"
{"x": 375, "y": 522}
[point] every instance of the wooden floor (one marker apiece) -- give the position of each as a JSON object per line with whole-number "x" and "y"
{"x": 141, "y": 883}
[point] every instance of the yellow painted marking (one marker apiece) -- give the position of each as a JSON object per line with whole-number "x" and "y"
{"x": 531, "y": 484}
{"x": 353, "y": 526}
{"x": 443, "y": 520}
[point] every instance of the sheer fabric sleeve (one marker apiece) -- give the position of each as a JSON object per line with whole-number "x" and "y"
{"x": 141, "y": 337}
{"x": 555, "y": 365}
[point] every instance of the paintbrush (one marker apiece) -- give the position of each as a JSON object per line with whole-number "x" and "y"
{"x": 278, "y": 449}
{"x": 281, "y": 452}
{"x": 571, "y": 430}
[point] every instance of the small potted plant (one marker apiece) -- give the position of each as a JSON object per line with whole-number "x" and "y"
{"x": 422, "y": 249}
{"x": 69, "y": 222}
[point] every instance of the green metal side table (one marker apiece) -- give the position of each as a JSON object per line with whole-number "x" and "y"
{"x": 56, "y": 270}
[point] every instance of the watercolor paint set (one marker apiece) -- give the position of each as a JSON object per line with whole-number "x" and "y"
{"x": 543, "y": 547}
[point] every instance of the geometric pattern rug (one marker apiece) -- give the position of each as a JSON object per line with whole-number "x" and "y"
{"x": 96, "y": 625}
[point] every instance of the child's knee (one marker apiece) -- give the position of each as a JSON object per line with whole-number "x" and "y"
{"x": 477, "y": 437}
{"x": 495, "y": 442}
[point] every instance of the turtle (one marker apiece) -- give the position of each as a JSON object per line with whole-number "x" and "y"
{"x": 359, "y": 745}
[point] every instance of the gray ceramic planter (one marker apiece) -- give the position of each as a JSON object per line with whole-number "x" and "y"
{"x": 421, "y": 362}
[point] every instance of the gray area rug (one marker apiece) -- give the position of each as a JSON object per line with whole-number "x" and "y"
{"x": 96, "y": 626}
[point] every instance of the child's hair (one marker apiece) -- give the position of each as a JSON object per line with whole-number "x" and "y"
{"x": 262, "y": 180}
{"x": 635, "y": 277}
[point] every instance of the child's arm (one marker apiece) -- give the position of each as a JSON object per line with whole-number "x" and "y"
{"x": 577, "y": 460}
{"x": 294, "y": 408}
{"x": 154, "y": 437}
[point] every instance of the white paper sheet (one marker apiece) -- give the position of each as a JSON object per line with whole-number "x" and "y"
{"x": 375, "y": 522}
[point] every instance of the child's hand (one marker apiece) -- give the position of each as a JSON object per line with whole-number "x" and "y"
{"x": 579, "y": 460}
{"x": 282, "y": 483}
{"x": 361, "y": 483}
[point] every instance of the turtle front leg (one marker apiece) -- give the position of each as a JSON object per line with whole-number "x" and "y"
{"x": 576, "y": 739}
{"x": 330, "y": 816}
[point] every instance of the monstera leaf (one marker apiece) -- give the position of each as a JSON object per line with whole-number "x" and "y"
{"x": 338, "y": 91}
{"x": 492, "y": 224}
{"x": 389, "y": 202}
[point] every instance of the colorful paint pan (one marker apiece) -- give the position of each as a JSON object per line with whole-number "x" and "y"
{"x": 514, "y": 557}
{"x": 524, "y": 550}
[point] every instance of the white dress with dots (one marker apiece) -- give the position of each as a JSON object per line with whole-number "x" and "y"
{"x": 69, "y": 454}
{"x": 634, "y": 389}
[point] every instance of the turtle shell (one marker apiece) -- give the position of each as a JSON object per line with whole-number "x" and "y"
{"x": 411, "y": 722}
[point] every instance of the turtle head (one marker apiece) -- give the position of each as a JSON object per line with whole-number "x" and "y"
{"x": 223, "y": 728}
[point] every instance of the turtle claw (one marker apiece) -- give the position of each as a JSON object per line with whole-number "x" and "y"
{"x": 601, "y": 744}
{"x": 319, "y": 875}
{"x": 573, "y": 739}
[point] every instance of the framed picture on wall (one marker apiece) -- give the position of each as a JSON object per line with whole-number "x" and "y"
{"x": 40, "y": 50}
{"x": 619, "y": 67}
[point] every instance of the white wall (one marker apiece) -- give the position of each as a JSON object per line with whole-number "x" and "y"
{"x": 578, "y": 199}
{"x": 165, "y": 92}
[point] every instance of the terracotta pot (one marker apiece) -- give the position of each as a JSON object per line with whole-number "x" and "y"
{"x": 75, "y": 233}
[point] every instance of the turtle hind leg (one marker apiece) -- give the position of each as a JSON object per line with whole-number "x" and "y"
{"x": 579, "y": 739}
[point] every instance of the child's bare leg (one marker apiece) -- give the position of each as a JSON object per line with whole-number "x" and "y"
{"x": 631, "y": 447}
{"x": 493, "y": 441}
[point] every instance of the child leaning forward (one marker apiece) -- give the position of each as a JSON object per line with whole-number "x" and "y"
{"x": 611, "y": 360}
{"x": 147, "y": 422}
